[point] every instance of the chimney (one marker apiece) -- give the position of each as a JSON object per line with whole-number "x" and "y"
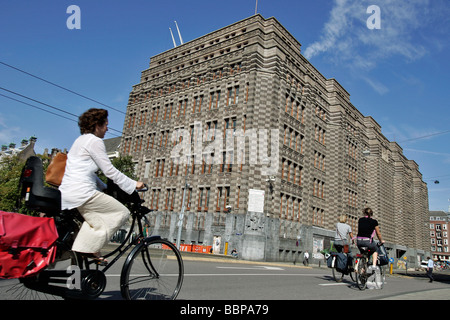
{"x": 4, "y": 147}
{"x": 24, "y": 142}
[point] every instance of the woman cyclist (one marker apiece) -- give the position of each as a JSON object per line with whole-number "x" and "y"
{"x": 80, "y": 187}
{"x": 342, "y": 230}
{"x": 367, "y": 228}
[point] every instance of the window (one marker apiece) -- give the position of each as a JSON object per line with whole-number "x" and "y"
{"x": 223, "y": 198}
{"x": 197, "y": 107}
{"x": 187, "y": 200}
{"x": 207, "y": 160}
{"x": 147, "y": 169}
{"x": 317, "y": 216}
{"x": 151, "y": 140}
{"x": 232, "y": 95}
{"x": 211, "y": 127}
{"x": 214, "y": 99}
{"x": 159, "y": 171}
{"x": 154, "y": 201}
{"x": 203, "y": 199}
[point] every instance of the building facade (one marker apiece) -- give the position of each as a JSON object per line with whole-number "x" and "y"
{"x": 439, "y": 235}
{"x": 264, "y": 150}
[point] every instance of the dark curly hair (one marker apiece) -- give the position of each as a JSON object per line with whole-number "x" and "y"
{"x": 91, "y": 118}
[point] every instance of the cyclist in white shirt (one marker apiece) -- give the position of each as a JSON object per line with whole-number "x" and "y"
{"x": 342, "y": 230}
{"x": 81, "y": 188}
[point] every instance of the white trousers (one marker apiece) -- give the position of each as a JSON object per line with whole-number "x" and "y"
{"x": 103, "y": 215}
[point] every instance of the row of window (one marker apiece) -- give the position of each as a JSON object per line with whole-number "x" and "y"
{"x": 206, "y": 167}
{"x": 294, "y": 109}
{"x": 172, "y": 201}
{"x": 293, "y": 139}
{"x": 352, "y": 173}
{"x": 352, "y": 149}
{"x": 438, "y": 226}
{"x": 166, "y": 138}
{"x": 319, "y": 134}
{"x": 319, "y": 161}
{"x": 352, "y": 198}
{"x": 439, "y": 242}
{"x": 439, "y": 234}
{"x": 291, "y": 171}
{"x": 171, "y": 110}
{"x": 290, "y": 207}
{"x": 439, "y": 249}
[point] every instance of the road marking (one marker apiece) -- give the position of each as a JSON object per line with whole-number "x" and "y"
{"x": 333, "y": 284}
{"x": 246, "y": 274}
{"x": 252, "y": 268}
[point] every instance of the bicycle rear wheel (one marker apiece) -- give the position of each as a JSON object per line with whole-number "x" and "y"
{"x": 337, "y": 275}
{"x": 152, "y": 271}
{"x": 43, "y": 286}
{"x": 361, "y": 273}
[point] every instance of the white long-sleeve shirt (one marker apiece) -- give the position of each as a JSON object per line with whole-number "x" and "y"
{"x": 85, "y": 157}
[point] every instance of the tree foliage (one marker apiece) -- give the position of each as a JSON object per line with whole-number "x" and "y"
{"x": 11, "y": 169}
{"x": 124, "y": 164}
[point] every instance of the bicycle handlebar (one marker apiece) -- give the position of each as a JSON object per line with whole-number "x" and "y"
{"x": 144, "y": 189}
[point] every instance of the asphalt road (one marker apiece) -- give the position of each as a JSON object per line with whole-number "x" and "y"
{"x": 208, "y": 279}
{"x": 224, "y": 280}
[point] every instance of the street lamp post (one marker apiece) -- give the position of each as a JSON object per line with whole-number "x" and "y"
{"x": 183, "y": 205}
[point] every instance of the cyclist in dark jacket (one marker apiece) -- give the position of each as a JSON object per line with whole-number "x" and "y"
{"x": 367, "y": 228}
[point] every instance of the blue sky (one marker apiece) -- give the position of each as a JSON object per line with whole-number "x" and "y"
{"x": 398, "y": 74}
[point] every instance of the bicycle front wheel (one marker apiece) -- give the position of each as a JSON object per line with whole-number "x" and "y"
{"x": 152, "y": 271}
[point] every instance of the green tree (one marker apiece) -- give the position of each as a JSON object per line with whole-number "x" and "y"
{"x": 124, "y": 164}
{"x": 10, "y": 171}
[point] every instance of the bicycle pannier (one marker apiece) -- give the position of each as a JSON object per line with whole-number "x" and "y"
{"x": 341, "y": 262}
{"x": 27, "y": 244}
{"x": 383, "y": 258}
{"x": 56, "y": 169}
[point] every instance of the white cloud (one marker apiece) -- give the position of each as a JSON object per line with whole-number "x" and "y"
{"x": 346, "y": 38}
{"x": 377, "y": 86}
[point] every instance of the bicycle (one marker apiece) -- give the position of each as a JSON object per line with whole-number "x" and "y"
{"x": 338, "y": 275}
{"x": 153, "y": 270}
{"x": 363, "y": 261}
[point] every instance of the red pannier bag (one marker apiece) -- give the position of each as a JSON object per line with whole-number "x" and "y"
{"x": 27, "y": 244}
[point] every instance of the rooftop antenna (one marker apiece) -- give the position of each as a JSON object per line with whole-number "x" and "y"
{"x": 173, "y": 39}
{"x": 256, "y": 7}
{"x": 179, "y": 34}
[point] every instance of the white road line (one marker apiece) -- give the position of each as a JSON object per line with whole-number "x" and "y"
{"x": 252, "y": 268}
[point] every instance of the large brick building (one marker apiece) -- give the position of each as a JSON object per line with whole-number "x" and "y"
{"x": 290, "y": 152}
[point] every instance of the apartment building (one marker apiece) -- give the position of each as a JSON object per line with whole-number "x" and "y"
{"x": 261, "y": 152}
{"x": 439, "y": 235}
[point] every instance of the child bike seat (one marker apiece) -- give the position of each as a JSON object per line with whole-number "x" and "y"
{"x": 37, "y": 196}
